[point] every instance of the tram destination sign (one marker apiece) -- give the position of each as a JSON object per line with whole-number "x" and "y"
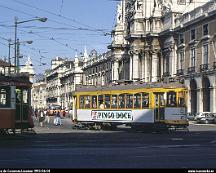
{"x": 113, "y": 115}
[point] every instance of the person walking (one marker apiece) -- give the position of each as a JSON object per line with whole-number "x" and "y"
{"x": 41, "y": 118}
{"x": 47, "y": 118}
{"x": 58, "y": 118}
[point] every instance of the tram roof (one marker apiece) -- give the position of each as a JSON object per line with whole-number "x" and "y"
{"x": 14, "y": 80}
{"x": 86, "y": 88}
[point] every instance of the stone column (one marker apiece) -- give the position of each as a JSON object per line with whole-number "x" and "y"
{"x": 143, "y": 67}
{"x": 213, "y": 100}
{"x": 154, "y": 67}
{"x": 131, "y": 67}
{"x": 147, "y": 67}
{"x": 135, "y": 66}
{"x": 115, "y": 70}
{"x": 189, "y": 101}
{"x": 174, "y": 62}
{"x": 199, "y": 100}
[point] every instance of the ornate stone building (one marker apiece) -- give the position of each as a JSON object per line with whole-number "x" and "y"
{"x": 196, "y": 56}
{"x": 61, "y": 79}
{"x": 151, "y": 43}
{"x": 140, "y": 40}
{"x": 98, "y": 69}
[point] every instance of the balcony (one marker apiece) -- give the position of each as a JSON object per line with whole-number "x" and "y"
{"x": 203, "y": 67}
{"x": 191, "y": 69}
{"x": 180, "y": 72}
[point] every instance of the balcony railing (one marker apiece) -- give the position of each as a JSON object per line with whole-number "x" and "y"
{"x": 180, "y": 72}
{"x": 191, "y": 69}
{"x": 203, "y": 67}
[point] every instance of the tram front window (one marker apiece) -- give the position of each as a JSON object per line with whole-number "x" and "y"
{"x": 4, "y": 97}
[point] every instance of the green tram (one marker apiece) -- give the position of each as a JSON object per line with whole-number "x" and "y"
{"x": 15, "y": 103}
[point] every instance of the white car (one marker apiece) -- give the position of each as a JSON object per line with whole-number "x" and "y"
{"x": 205, "y": 117}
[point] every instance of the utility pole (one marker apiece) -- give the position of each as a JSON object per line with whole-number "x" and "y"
{"x": 9, "y": 59}
{"x": 15, "y": 46}
{"x": 18, "y": 56}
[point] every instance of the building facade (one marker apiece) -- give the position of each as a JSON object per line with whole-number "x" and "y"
{"x": 61, "y": 79}
{"x": 39, "y": 95}
{"x": 153, "y": 41}
{"x": 196, "y": 58}
{"x": 98, "y": 69}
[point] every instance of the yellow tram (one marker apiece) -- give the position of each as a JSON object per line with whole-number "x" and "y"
{"x": 142, "y": 106}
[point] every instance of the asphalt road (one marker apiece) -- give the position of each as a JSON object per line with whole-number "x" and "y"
{"x": 64, "y": 147}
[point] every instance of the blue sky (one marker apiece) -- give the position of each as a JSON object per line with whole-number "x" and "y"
{"x": 71, "y": 25}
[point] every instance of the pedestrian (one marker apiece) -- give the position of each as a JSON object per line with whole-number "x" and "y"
{"x": 47, "y": 118}
{"x": 41, "y": 118}
{"x": 58, "y": 117}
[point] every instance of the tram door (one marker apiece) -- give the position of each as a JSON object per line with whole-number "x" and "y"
{"x": 74, "y": 116}
{"x": 22, "y": 107}
{"x": 159, "y": 107}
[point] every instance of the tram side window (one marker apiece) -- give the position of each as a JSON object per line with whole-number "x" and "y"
{"x": 101, "y": 102}
{"x": 94, "y": 102}
{"x": 137, "y": 101}
{"x": 87, "y": 102}
{"x": 25, "y": 96}
{"x": 171, "y": 99}
{"x": 81, "y": 100}
{"x": 121, "y": 101}
{"x": 129, "y": 101}
{"x": 4, "y": 97}
{"x": 181, "y": 99}
{"x": 18, "y": 95}
{"x": 145, "y": 100}
{"x": 107, "y": 101}
{"x": 114, "y": 102}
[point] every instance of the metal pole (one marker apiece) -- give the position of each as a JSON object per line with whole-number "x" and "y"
{"x": 18, "y": 56}
{"x": 9, "y": 60}
{"x": 15, "y": 46}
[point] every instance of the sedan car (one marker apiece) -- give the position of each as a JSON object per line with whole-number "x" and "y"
{"x": 205, "y": 117}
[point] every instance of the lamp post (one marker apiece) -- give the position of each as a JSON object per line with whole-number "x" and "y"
{"x": 44, "y": 19}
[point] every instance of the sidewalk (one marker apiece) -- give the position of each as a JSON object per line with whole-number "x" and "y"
{"x": 66, "y": 126}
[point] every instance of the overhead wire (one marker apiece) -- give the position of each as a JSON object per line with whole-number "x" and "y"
{"x": 61, "y": 16}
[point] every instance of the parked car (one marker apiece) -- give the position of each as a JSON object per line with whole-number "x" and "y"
{"x": 205, "y": 117}
{"x": 190, "y": 116}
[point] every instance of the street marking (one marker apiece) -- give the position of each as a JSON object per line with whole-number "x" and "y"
{"x": 177, "y": 139}
{"x": 212, "y": 142}
{"x": 171, "y": 146}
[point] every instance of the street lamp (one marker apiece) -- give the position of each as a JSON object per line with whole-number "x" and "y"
{"x": 44, "y": 19}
